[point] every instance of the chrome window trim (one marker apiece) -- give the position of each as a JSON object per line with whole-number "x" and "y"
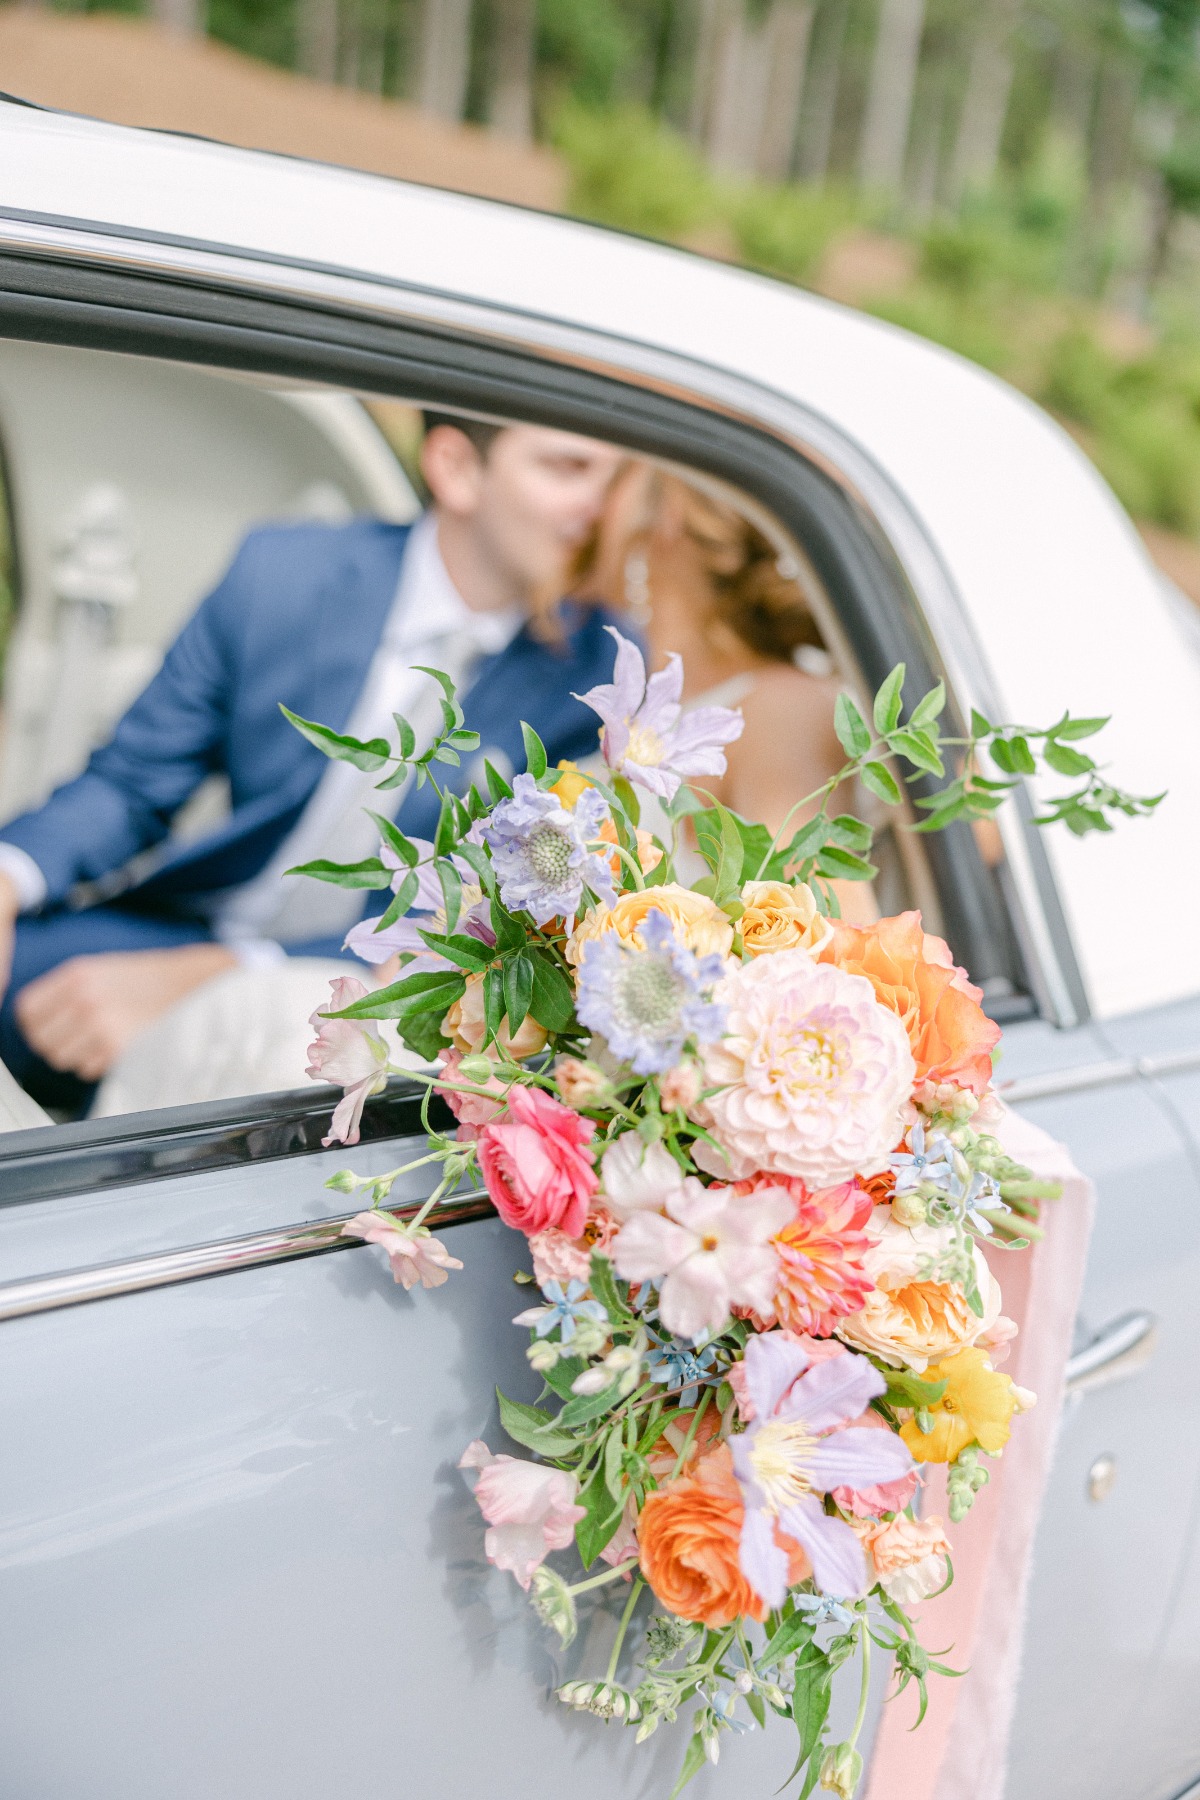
{"x": 225, "y": 1256}
{"x": 1110, "y": 1073}
{"x": 951, "y": 641}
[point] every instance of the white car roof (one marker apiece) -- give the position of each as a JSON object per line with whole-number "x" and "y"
{"x": 1061, "y": 597}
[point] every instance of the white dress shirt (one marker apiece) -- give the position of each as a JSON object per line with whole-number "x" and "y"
{"x": 430, "y": 623}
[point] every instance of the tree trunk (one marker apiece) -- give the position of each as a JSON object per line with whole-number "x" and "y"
{"x": 729, "y": 131}
{"x": 925, "y": 151}
{"x": 818, "y": 111}
{"x": 985, "y": 104}
{"x": 317, "y": 38}
{"x": 788, "y": 27}
{"x": 444, "y": 57}
{"x": 888, "y": 111}
{"x": 182, "y": 18}
{"x": 510, "y": 103}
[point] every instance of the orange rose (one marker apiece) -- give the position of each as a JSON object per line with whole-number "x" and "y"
{"x": 914, "y": 976}
{"x": 688, "y": 1535}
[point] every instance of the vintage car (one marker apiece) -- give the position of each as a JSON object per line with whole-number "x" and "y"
{"x": 237, "y": 1557}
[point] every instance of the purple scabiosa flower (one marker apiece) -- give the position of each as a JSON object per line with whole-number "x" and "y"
{"x": 793, "y": 1452}
{"x": 540, "y": 851}
{"x": 647, "y": 735}
{"x": 647, "y": 1003}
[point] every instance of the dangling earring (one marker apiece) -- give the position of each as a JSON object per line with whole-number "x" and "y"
{"x": 637, "y": 588}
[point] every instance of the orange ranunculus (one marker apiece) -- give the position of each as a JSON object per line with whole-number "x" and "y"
{"x": 688, "y": 1536}
{"x": 913, "y": 974}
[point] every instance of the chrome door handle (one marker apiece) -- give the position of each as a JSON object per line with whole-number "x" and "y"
{"x": 1123, "y": 1348}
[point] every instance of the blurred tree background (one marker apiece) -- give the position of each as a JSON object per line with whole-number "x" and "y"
{"x": 1017, "y": 179}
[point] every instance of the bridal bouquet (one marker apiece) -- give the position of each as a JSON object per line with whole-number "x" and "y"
{"x": 748, "y": 1146}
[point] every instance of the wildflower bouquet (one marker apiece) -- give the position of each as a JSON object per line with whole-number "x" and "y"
{"x": 748, "y": 1145}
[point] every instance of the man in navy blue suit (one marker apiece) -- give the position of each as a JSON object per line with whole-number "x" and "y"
{"x": 109, "y": 921}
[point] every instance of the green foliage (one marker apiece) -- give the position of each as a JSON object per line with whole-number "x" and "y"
{"x": 786, "y": 230}
{"x": 629, "y": 171}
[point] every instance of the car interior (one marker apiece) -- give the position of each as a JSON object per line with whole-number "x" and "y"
{"x": 126, "y": 485}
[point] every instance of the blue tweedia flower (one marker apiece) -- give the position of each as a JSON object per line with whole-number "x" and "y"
{"x": 723, "y": 1705}
{"x": 677, "y": 1367}
{"x": 823, "y": 1609}
{"x": 955, "y": 1189}
{"x": 566, "y": 1307}
{"x": 540, "y": 851}
{"x": 647, "y": 1003}
{"x": 931, "y": 1163}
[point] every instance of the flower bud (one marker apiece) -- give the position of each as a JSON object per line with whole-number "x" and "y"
{"x": 592, "y": 1381}
{"x": 908, "y": 1209}
{"x": 580, "y": 1083}
{"x": 553, "y": 1603}
{"x": 743, "y": 1682}
{"x": 679, "y": 1087}
{"x": 542, "y": 1355}
{"x": 841, "y": 1771}
{"x": 344, "y": 1182}
{"x": 603, "y": 1699}
{"x": 478, "y": 1069}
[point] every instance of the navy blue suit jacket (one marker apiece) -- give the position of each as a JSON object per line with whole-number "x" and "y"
{"x": 297, "y": 619}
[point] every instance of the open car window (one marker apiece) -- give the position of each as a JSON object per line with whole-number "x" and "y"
{"x": 133, "y": 484}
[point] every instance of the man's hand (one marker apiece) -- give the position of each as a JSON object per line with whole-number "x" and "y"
{"x": 81, "y": 1016}
{"x": 10, "y": 907}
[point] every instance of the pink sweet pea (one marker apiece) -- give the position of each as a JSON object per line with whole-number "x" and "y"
{"x": 414, "y": 1254}
{"x": 711, "y": 1253}
{"x": 536, "y": 1164}
{"x": 647, "y": 735}
{"x": 349, "y": 1053}
{"x": 530, "y": 1509}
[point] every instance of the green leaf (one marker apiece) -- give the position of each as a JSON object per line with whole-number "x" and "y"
{"x": 480, "y": 861}
{"x": 369, "y": 755}
{"x": 408, "y": 737}
{"x": 518, "y": 989}
{"x": 395, "y": 839}
{"x": 1080, "y": 728}
{"x": 603, "y": 1284}
{"x": 493, "y": 1002}
{"x": 888, "y": 701}
{"x": 810, "y": 1699}
{"x": 614, "y": 1450}
{"x": 980, "y": 728}
{"x": 440, "y": 676}
{"x": 851, "y": 727}
{"x": 444, "y": 836}
{"x": 587, "y": 1406}
{"x": 627, "y": 795}
{"x": 919, "y": 749}
{"x": 451, "y": 887}
{"x": 904, "y": 1389}
{"x": 1065, "y": 761}
{"x": 850, "y": 833}
{"x": 602, "y": 1515}
{"x": 396, "y": 779}
{"x": 522, "y": 1422}
{"x": 808, "y": 839}
{"x": 465, "y": 740}
{"x": 1022, "y": 755}
{"x": 369, "y": 873}
{"x": 461, "y": 948}
{"x": 445, "y": 754}
{"x": 791, "y": 1634}
{"x": 535, "y": 752}
{"x": 693, "y": 1762}
{"x": 498, "y": 788}
{"x": 510, "y": 933}
{"x": 1002, "y": 756}
{"x": 878, "y": 778}
{"x": 836, "y": 864}
{"x": 422, "y": 1032}
{"x": 757, "y": 1707}
{"x": 928, "y": 709}
{"x": 401, "y": 900}
{"x": 566, "y": 1370}
{"x": 553, "y": 999}
{"x": 426, "y": 992}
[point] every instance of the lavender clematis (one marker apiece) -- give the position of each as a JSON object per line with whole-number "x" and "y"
{"x": 647, "y": 735}
{"x": 793, "y": 1452}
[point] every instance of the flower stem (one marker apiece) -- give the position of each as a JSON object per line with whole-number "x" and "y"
{"x": 622, "y": 1628}
{"x": 865, "y": 1688}
{"x": 692, "y": 1429}
{"x": 626, "y": 856}
{"x": 595, "y": 1581}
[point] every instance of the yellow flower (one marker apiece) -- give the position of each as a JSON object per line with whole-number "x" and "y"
{"x": 782, "y": 915}
{"x": 570, "y": 784}
{"x": 976, "y": 1408}
{"x": 698, "y": 923}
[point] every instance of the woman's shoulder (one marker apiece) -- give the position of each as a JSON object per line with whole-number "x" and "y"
{"x": 784, "y": 693}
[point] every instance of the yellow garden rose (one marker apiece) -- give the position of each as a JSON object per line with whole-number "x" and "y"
{"x": 697, "y": 922}
{"x": 466, "y": 1026}
{"x": 782, "y": 915}
{"x": 976, "y": 1408}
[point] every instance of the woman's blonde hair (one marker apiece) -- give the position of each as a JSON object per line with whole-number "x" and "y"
{"x": 756, "y": 595}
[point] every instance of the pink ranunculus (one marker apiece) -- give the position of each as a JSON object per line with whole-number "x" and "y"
{"x": 472, "y": 1111}
{"x": 349, "y": 1053}
{"x": 536, "y": 1164}
{"x": 883, "y": 1496}
{"x": 557, "y": 1257}
{"x": 414, "y": 1255}
{"x": 530, "y": 1509}
{"x": 819, "y": 1350}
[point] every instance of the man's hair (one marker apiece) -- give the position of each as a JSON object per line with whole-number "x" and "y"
{"x": 481, "y": 434}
